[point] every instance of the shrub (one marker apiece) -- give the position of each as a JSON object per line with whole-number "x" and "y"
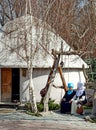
{"x": 40, "y": 107}
{"x": 52, "y": 106}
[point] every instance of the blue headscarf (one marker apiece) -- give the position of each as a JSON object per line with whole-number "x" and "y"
{"x": 70, "y": 85}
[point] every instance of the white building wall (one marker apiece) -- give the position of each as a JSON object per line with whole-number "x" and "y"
{"x": 24, "y": 90}
{"x": 40, "y": 77}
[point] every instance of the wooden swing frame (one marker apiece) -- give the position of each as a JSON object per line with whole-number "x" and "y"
{"x": 45, "y": 92}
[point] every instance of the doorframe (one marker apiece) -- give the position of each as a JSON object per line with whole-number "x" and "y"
{"x": 14, "y": 85}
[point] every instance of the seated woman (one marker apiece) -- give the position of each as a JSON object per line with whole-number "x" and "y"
{"x": 79, "y": 99}
{"x": 65, "y": 105}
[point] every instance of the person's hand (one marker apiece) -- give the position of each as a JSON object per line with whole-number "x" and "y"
{"x": 70, "y": 101}
{"x": 76, "y": 101}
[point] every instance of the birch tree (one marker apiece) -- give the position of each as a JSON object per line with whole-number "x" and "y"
{"x": 30, "y": 68}
{"x": 19, "y": 40}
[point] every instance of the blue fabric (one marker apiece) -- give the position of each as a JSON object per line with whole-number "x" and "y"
{"x": 69, "y": 92}
{"x": 70, "y": 85}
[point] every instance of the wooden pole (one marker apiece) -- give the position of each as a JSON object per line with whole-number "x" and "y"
{"x": 62, "y": 78}
{"x": 45, "y": 92}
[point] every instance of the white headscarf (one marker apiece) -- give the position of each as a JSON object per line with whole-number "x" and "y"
{"x": 80, "y": 89}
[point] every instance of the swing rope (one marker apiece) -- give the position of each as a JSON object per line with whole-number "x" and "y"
{"x": 68, "y": 68}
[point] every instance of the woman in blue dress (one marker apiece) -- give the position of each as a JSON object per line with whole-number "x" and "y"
{"x": 65, "y": 106}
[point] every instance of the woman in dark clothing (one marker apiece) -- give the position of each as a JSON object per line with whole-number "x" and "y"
{"x": 67, "y": 99}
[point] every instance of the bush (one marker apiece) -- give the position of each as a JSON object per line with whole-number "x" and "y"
{"x": 40, "y": 107}
{"x": 52, "y": 106}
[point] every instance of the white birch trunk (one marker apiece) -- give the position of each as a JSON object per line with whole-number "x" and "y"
{"x": 46, "y": 98}
{"x": 30, "y": 67}
{"x": 32, "y": 92}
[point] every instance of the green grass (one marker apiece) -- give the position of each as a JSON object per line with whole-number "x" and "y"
{"x": 87, "y": 107}
{"x": 33, "y": 114}
{"x": 92, "y": 120}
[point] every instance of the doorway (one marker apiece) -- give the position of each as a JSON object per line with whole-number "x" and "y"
{"x": 15, "y": 85}
{"x": 6, "y": 84}
{"x": 10, "y": 84}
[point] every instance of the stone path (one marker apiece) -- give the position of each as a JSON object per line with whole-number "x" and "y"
{"x": 18, "y": 120}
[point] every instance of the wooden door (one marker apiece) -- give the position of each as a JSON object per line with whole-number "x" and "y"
{"x": 6, "y": 84}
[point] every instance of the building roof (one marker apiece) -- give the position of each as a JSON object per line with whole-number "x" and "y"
{"x": 14, "y": 48}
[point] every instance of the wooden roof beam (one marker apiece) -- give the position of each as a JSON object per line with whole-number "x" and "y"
{"x": 75, "y": 52}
